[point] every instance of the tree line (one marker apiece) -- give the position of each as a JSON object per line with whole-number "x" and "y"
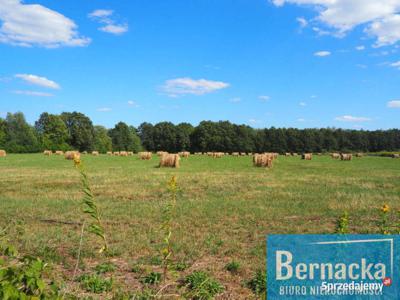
{"x": 74, "y": 130}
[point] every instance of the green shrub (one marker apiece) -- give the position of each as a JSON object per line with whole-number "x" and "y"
{"x": 201, "y": 286}
{"x": 94, "y": 283}
{"x": 258, "y": 283}
{"x": 105, "y": 268}
{"x": 152, "y": 278}
{"x": 233, "y": 267}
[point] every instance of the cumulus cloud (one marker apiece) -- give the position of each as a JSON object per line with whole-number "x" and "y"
{"x": 32, "y": 93}
{"x": 394, "y": 104}
{"x": 188, "y": 86}
{"x": 104, "y": 16}
{"x": 360, "y": 48}
{"x": 348, "y": 118}
{"x": 36, "y": 25}
{"x": 264, "y": 98}
{"x": 303, "y": 104}
{"x": 322, "y": 53}
{"x": 302, "y": 22}
{"x": 379, "y": 18}
{"x": 395, "y": 64}
{"x": 37, "y": 80}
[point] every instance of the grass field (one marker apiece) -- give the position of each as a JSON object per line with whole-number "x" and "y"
{"x": 225, "y": 209}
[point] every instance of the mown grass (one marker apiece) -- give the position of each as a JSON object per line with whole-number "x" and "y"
{"x": 225, "y": 207}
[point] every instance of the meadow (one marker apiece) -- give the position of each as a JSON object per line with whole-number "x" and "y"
{"x": 225, "y": 208}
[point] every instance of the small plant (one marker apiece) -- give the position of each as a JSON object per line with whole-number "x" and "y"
{"x": 91, "y": 208}
{"x": 94, "y": 283}
{"x": 201, "y": 286}
{"x": 343, "y": 224}
{"x": 22, "y": 278}
{"x": 105, "y": 268}
{"x": 258, "y": 283}
{"x": 168, "y": 215}
{"x": 383, "y": 224}
{"x": 180, "y": 266}
{"x": 137, "y": 269}
{"x": 233, "y": 267}
{"x": 152, "y": 278}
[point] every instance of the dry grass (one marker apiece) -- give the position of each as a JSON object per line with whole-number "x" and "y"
{"x": 225, "y": 207}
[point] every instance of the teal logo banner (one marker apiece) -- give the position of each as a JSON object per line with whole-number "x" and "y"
{"x": 333, "y": 267}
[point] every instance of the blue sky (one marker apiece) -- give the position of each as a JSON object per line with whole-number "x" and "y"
{"x": 282, "y": 63}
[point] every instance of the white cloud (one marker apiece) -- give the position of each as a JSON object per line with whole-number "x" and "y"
{"x": 101, "y": 13}
{"x": 379, "y": 17}
{"x": 303, "y": 104}
{"x": 348, "y": 118}
{"x": 395, "y": 64}
{"x": 133, "y": 103}
{"x": 302, "y": 22}
{"x": 360, "y": 48}
{"x": 36, "y": 25}
{"x": 103, "y": 16}
{"x": 114, "y": 29}
{"x": 37, "y": 80}
{"x": 394, "y": 104}
{"x": 104, "y": 109}
{"x": 254, "y": 121}
{"x": 235, "y": 100}
{"x": 301, "y": 120}
{"x": 264, "y": 98}
{"x": 32, "y": 93}
{"x": 188, "y": 86}
{"x": 322, "y": 53}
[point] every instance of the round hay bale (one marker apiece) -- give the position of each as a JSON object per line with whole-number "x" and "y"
{"x": 3, "y": 153}
{"x": 170, "y": 160}
{"x": 48, "y": 152}
{"x": 95, "y": 153}
{"x": 70, "y": 155}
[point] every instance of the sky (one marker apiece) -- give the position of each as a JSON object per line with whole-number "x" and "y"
{"x": 281, "y": 63}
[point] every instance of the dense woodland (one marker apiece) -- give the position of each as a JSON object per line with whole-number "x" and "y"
{"x": 76, "y": 131}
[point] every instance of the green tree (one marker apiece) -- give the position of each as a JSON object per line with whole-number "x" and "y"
{"x": 165, "y": 137}
{"x": 3, "y": 127}
{"x": 124, "y": 138}
{"x": 102, "y": 141}
{"x": 183, "y": 132}
{"x": 146, "y": 134}
{"x": 20, "y": 137}
{"x": 52, "y": 131}
{"x": 80, "y": 130}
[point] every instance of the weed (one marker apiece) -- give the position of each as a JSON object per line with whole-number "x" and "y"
{"x": 342, "y": 226}
{"x": 258, "y": 282}
{"x": 201, "y": 286}
{"x": 233, "y": 267}
{"x": 152, "y": 278}
{"x": 94, "y": 283}
{"x": 105, "y": 268}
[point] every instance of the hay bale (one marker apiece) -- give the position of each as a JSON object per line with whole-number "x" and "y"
{"x": 130, "y": 153}
{"x": 95, "y": 153}
{"x": 287, "y": 154}
{"x": 217, "y": 154}
{"x": 48, "y": 152}
{"x": 335, "y": 155}
{"x": 116, "y": 153}
{"x": 3, "y": 153}
{"x": 263, "y": 160}
{"x": 145, "y": 155}
{"x": 235, "y": 153}
{"x": 109, "y": 153}
{"x": 123, "y": 153}
{"x": 359, "y": 154}
{"x": 84, "y": 152}
{"x": 396, "y": 155}
{"x": 59, "y": 152}
{"x": 184, "y": 154}
{"x": 346, "y": 156}
{"x": 294, "y": 154}
{"x": 161, "y": 153}
{"x": 169, "y": 160}
{"x": 306, "y": 156}
{"x": 242, "y": 153}
{"x": 70, "y": 155}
